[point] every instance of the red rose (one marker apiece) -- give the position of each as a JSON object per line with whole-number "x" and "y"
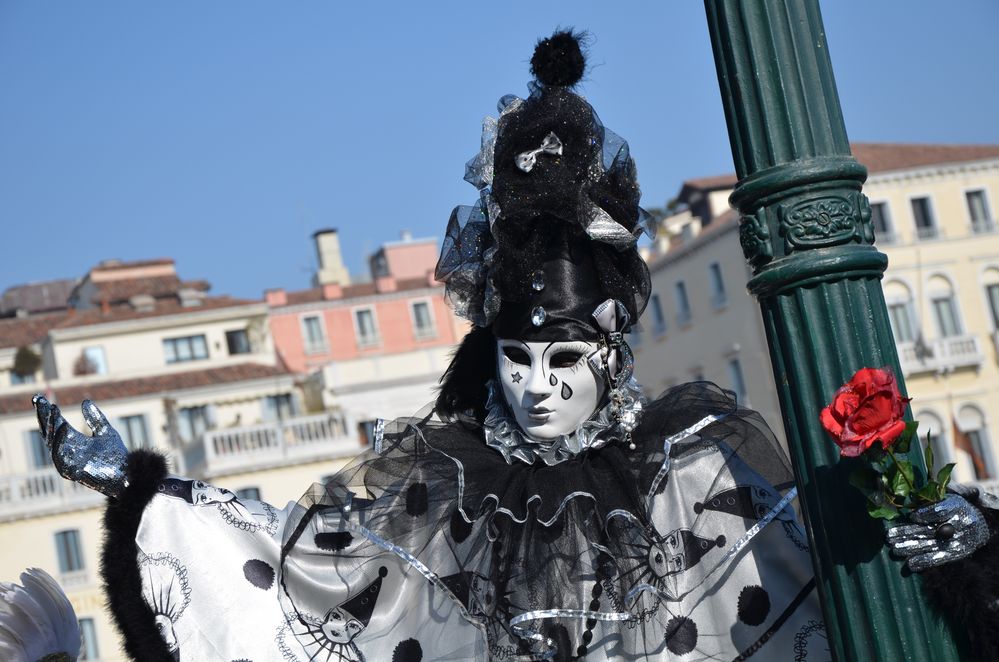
{"x": 866, "y": 409}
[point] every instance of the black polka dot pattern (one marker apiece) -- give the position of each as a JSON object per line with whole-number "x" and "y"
{"x": 681, "y": 635}
{"x": 460, "y": 529}
{"x": 259, "y": 573}
{"x": 408, "y": 651}
{"x": 333, "y": 541}
{"x": 754, "y": 605}
{"x": 416, "y": 499}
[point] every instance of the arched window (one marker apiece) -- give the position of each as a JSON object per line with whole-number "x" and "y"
{"x": 990, "y": 280}
{"x": 932, "y": 425}
{"x": 944, "y": 307}
{"x": 974, "y": 440}
{"x": 901, "y": 311}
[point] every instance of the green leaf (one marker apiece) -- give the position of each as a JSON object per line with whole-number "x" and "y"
{"x": 865, "y": 479}
{"x": 904, "y": 441}
{"x": 928, "y": 455}
{"x": 943, "y": 477}
{"x": 884, "y": 511}
{"x": 902, "y": 479}
{"x": 928, "y": 493}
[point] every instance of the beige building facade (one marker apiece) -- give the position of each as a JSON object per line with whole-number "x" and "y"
{"x": 933, "y": 207}
{"x": 193, "y": 376}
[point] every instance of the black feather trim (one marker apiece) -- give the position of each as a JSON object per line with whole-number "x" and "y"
{"x": 463, "y": 384}
{"x": 119, "y": 559}
{"x": 558, "y": 60}
{"x": 966, "y": 594}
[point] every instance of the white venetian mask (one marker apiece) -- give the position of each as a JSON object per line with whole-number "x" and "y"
{"x": 549, "y": 386}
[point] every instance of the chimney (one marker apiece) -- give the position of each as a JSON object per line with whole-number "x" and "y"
{"x": 276, "y": 297}
{"x": 331, "y": 267}
{"x": 385, "y": 284}
{"x": 332, "y": 291}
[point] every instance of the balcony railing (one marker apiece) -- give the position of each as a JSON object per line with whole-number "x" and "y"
{"x": 291, "y": 441}
{"x": 941, "y": 356}
{"x": 983, "y": 226}
{"x": 42, "y": 492}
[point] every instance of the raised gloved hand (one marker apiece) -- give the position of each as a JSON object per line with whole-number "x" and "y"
{"x": 943, "y": 532}
{"x": 98, "y": 461}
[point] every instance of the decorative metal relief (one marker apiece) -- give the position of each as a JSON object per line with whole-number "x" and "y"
{"x": 827, "y": 220}
{"x": 755, "y": 238}
{"x": 866, "y": 227}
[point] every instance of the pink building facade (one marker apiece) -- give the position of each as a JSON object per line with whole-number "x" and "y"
{"x": 401, "y": 310}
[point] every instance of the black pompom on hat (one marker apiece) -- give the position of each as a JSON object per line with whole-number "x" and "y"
{"x": 558, "y": 60}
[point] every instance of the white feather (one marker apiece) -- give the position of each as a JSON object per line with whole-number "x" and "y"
{"x": 36, "y": 619}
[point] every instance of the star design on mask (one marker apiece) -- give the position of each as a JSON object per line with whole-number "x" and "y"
{"x": 516, "y": 377}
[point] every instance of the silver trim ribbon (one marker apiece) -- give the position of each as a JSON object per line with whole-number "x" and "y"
{"x": 550, "y": 145}
{"x": 668, "y": 444}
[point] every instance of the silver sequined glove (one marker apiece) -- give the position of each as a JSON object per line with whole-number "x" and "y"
{"x": 943, "y": 532}
{"x": 98, "y": 461}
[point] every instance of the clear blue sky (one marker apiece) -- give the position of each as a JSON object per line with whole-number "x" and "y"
{"x": 223, "y": 133}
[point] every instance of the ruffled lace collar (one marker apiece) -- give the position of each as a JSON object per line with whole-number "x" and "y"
{"x": 612, "y": 422}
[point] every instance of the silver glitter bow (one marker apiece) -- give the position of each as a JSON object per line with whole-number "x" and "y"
{"x": 921, "y": 542}
{"x": 98, "y": 461}
{"x": 611, "y": 317}
{"x": 550, "y": 145}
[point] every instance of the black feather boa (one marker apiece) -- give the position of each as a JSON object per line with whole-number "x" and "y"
{"x": 966, "y": 593}
{"x": 119, "y": 560}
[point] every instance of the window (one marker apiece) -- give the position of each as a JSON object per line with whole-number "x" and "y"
{"x": 313, "y": 334}
{"x": 68, "y": 550}
{"x": 682, "y": 303}
{"x": 900, "y": 315}
{"x": 250, "y": 493}
{"x": 279, "y": 407}
{"x": 88, "y": 640}
{"x": 979, "y": 452}
{"x": 658, "y": 319}
{"x": 237, "y": 341}
{"x": 423, "y": 320}
{"x": 718, "y": 296}
{"x": 901, "y": 312}
{"x": 91, "y": 361}
{"x": 930, "y": 426}
{"x": 16, "y": 379}
{"x": 882, "y": 223}
{"x": 38, "y": 450}
{"x": 922, "y": 214}
{"x": 133, "y": 431}
{"x": 192, "y": 422}
{"x": 366, "y": 431}
{"x": 978, "y": 210}
{"x": 992, "y": 292}
{"x": 972, "y": 437}
{"x": 188, "y": 348}
{"x": 364, "y": 323}
{"x": 738, "y": 383}
{"x": 945, "y": 312}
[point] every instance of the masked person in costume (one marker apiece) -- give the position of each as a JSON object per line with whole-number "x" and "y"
{"x": 542, "y": 508}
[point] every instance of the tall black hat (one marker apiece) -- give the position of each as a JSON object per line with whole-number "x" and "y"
{"x": 552, "y": 239}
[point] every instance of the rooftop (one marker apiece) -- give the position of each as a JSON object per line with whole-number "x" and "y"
{"x": 37, "y": 297}
{"x": 355, "y": 291}
{"x": 106, "y": 391}
{"x": 25, "y": 331}
{"x": 162, "y": 308}
{"x": 882, "y": 157}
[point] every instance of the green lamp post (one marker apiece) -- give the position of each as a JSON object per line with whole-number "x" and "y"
{"x": 806, "y": 230}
